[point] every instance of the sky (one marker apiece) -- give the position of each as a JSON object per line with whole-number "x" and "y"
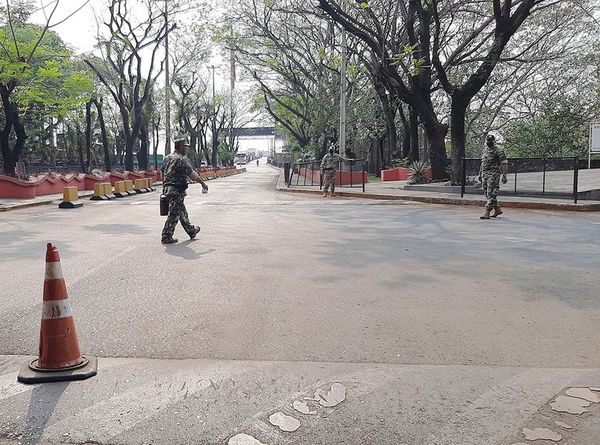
{"x": 80, "y": 29}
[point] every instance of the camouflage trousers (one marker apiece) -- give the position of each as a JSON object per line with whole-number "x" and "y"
{"x": 329, "y": 180}
{"x": 491, "y": 187}
{"x": 177, "y": 213}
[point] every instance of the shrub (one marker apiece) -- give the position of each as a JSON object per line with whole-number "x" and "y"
{"x": 417, "y": 173}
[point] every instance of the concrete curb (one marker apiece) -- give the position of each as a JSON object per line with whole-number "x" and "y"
{"x": 40, "y": 203}
{"x": 454, "y": 201}
{"x": 86, "y": 194}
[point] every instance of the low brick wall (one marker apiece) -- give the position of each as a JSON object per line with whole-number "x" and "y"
{"x": 399, "y": 174}
{"x": 51, "y": 185}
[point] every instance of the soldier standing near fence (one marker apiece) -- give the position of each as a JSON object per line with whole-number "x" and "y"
{"x": 175, "y": 171}
{"x": 493, "y": 165}
{"x": 329, "y": 165}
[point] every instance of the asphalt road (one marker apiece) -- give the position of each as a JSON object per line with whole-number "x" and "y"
{"x": 443, "y": 329}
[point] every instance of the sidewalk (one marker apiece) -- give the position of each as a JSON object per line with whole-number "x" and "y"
{"x": 393, "y": 190}
{"x": 7, "y": 204}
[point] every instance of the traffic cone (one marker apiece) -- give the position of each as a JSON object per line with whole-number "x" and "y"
{"x": 59, "y": 357}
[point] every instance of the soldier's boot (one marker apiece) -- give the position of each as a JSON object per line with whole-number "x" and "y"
{"x": 333, "y": 194}
{"x": 325, "y": 195}
{"x": 497, "y": 212}
{"x": 195, "y": 232}
{"x": 486, "y": 215}
{"x": 169, "y": 241}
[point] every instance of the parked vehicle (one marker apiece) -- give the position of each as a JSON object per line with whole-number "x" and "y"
{"x": 240, "y": 159}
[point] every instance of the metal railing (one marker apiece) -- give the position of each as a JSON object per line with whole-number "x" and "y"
{"x": 308, "y": 174}
{"x": 533, "y": 167}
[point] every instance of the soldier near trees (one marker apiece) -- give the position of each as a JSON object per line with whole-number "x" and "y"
{"x": 493, "y": 165}
{"x": 329, "y": 165}
{"x": 176, "y": 169}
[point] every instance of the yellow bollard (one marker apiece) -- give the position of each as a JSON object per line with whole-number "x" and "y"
{"x": 120, "y": 191}
{"x": 70, "y": 199}
{"x": 107, "y": 189}
{"x": 98, "y": 192}
{"x": 139, "y": 186}
{"x": 129, "y": 187}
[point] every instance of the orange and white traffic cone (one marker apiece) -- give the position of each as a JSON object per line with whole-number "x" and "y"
{"x": 59, "y": 357}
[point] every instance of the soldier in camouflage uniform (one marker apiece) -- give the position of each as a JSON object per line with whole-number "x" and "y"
{"x": 493, "y": 164}
{"x": 329, "y": 165}
{"x": 176, "y": 169}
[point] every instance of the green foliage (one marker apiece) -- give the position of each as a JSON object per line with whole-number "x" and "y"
{"x": 408, "y": 61}
{"x": 417, "y": 172}
{"x": 400, "y": 163}
{"x": 45, "y": 75}
{"x": 225, "y": 155}
{"x": 560, "y": 129}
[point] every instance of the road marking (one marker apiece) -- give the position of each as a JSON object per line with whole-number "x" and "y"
{"x": 156, "y": 395}
{"x": 517, "y": 240}
{"x": 102, "y": 265}
{"x": 9, "y": 386}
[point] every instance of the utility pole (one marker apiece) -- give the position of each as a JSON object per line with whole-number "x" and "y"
{"x": 214, "y": 118}
{"x": 343, "y": 87}
{"x": 167, "y": 87}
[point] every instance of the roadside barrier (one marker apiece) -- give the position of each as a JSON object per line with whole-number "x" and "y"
{"x": 70, "y": 199}
{"x": 139, "y": 186}
{"x": 129, "y": 187}
{"x": 107, "y": 190}
{"x": 99, "y": 194}
{"x": 59, "y": 356}
{"x": 549, "y": 177}
{"x": 350, "y": 173}
{"x": 120, "y": 191}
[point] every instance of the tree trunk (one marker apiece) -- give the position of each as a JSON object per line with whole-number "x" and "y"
{"x": 215, "y": 145}
{"x": 194, "y": 152}
{"x": 457, "y": 137}
{"x": 436, "y": 135}
{"x": 88, "y": 135}
{"x": 413, "y": 135}
{"x": 389, "y": 115}
{"x": 404, "y": 153}
{"x": 79, "y": 146}
{"x": 10, "y": 156}
{"x": 143, "y": 151}
{"x": 106, "y": 148}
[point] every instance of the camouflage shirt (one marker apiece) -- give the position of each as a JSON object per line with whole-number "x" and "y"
{"x": 491, "y": 159}
{"x": 175, "y": 170}
{"x": 330, "y": 161}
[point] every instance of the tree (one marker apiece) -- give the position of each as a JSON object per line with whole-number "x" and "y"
{"x": 128, "y": 78}
{"x": 559, "y": 130}
{"x": 290, "y": 53}
{"x": 396, "y": 36}
{"x": 37, "y": 73}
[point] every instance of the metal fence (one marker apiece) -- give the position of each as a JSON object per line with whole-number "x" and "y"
{"x": 351, "y": 174}
{"x": 551, "y": 177}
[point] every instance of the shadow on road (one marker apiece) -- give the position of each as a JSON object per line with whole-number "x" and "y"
{"x": 118, "y": 229}
{"x": 183, "y": 250}
{"x": 44, "y": 399}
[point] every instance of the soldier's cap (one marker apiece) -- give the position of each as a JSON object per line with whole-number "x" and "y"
{"x": 180, "y": 142}
{"x": 490, "y": 137}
